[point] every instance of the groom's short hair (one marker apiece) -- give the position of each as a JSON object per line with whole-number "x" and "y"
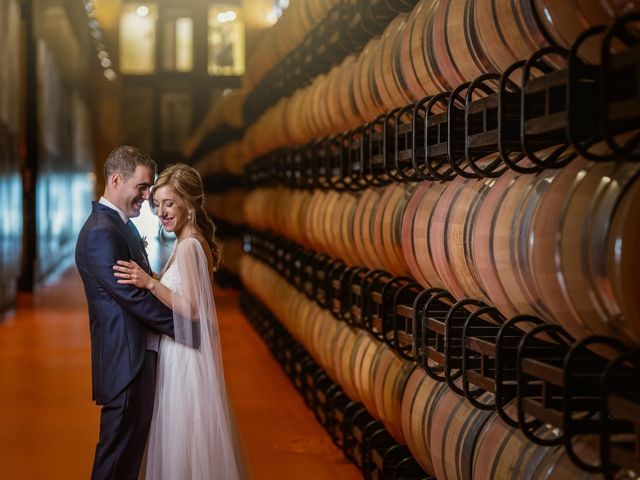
{"x": 124, "y": 160}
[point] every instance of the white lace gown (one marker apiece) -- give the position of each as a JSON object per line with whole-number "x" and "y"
{"x": 192, "y": 430}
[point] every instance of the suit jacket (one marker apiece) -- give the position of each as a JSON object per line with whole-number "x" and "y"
{"x": 119, "y": 315}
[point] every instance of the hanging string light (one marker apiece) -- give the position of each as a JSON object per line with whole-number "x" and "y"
{"x": 101, "y": 49}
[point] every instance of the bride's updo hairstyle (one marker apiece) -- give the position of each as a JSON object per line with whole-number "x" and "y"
{"x": 186, "y": 182}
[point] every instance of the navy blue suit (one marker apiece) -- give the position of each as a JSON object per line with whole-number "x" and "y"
{"x": 120, "y": 316}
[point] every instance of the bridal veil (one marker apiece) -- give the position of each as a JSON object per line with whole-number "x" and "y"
{"x": 193, "y": 431}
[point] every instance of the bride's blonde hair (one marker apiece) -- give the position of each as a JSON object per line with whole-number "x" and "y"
{"x": 187, "y": 184}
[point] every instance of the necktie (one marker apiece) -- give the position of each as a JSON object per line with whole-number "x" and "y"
{"x": 133, "y": 228}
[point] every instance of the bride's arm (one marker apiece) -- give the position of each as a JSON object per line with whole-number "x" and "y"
{"x": 130, "y": 273}
{"x": 161, "y": 292}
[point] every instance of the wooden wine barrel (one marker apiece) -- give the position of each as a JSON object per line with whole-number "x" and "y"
{"x": 388, "y": 258}
{"x": 324, "y": 342}
{"x": 328, "y": 90}
{"x": 507, "y": 31}
{"x": 345, "y": 343}
{"x": 362, "y": 231}
{"x": 379, "y": 366}
{"x": 269, "y": 209}
{"x": 565, "y": 21}
{"x": 312, "y": 219}
{"x": 328, "y": 227}
{"x": 316, "y": 112}
{"x": 391, "y": 92}
{"x": 364, "y": 351}
{"x": 415, "y": 69}
{"x": 504, "y": 452}
{"x": 421, "y": 394}
{"x": 316, "y": 328}
{"x": 542, "y": 253}
{"x": 584, "y": 235}
{"x": 461, "y": 41}
{"x": 289, "y": 205}
{"x": 298, "y": 119}
{"x": 367, "y": 97}
{"x": 406, "y": 95}
{"x": 333, "y": 92}
{"x": 336, "y": 245}
{"x": 409, "y": 253}
{"x": 252, "y": 208}
{"x": 294, "y": 123}
{"x": 391, "y": 227}
{"x": 422, "y": 233}
{"x": 456, "y": 426}
{"x": 459, "y": 231}
{"x": 530, "y": 215}
{"x": 301, "y": 319}
{"x": 439, "y": 59}
{"x": 372, "y": 229}
{"x": 232, "y": 251}
{"x": 437, "y": 237}
{"x": 624, "y": 262}
{"x": 483, "y": 238}
{"x": 272, "y": 130}
{"x": 505, "y": 241}
{"x": 346, "y": 94}
{"x": 523, "y": 238}
{"x": 558, "y": 465}
{"x": 389, "y": 377}
{"x": 274, "y": 209}
{"x": 347, "y": 218}
{"x": 300, "y": 218}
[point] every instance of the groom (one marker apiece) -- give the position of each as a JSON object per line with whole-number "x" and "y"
{"x": 124, "y": 320}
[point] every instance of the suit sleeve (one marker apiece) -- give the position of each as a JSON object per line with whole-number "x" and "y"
{"x": 103, "y": 251}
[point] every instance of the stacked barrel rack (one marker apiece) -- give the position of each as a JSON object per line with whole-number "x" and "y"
{"x": 443, "y": 248}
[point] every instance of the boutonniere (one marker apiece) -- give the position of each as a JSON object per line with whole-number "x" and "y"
{"x": 144, "y": 241}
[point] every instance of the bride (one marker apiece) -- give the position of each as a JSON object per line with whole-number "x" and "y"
{"x": 192, "y": 433}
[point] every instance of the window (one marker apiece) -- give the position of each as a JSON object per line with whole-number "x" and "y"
{"x": 226, "y": 41}
{"x": 175, "y": 119}
{"x": 138, "y": 38}
{"x": 177, "y": 43}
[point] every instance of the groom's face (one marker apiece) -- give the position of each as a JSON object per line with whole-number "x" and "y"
{"x": 134, "y": 190}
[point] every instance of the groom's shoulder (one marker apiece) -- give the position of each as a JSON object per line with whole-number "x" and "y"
{"x": 99, "y": 226}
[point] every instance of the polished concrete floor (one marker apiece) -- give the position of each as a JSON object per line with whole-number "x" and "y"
{"x": 49, "y": 426}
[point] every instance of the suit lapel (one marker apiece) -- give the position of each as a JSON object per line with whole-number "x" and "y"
{"x": 134, "y": 241}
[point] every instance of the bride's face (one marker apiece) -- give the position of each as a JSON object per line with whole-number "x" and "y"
{"x": 171, "y": 209}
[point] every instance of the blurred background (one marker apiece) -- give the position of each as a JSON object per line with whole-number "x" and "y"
{"x": 81, "y": 77}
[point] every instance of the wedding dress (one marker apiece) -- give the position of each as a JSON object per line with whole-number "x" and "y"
{"x": 192, "y": 430}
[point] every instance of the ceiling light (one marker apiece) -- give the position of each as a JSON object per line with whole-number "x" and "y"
{"x": 110, "y": 74}
{"x": 142, "y": 11}
{"x": 272, "y": 17}
{"x": 105, "y": 62}
{"x": 228, "y": 16}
